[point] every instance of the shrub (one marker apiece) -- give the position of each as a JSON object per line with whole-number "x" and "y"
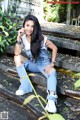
{"x": 8, "y": 30}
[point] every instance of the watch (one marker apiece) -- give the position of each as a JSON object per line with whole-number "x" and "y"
{"x": 18, "y": 42}
{"x": 53, "y": 62}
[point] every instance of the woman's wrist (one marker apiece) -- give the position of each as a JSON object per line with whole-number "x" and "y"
{"x": 18, "y": 42}
{"x": 18, "y": 38}
{"x": 52, "y": 63}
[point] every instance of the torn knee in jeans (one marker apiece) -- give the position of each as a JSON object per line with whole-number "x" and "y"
{"x": 19, "y": 60}
{"x": 49, "y": 71}
{"x": 51, "y": 92}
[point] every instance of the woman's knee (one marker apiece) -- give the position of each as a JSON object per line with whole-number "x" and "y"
{"x": 17, "y": 60}
{"x": 49, "y": 71}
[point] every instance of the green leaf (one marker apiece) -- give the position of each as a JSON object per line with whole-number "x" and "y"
{"x": 6, "y": 33}
{"x": 37, "y": 105}
{"x": 10, "y": 27}
{"x": 0, "y": 38}
{"x": 42, "y": 117}
{"x": 42, "y": 99}
{"x": 31, "y": 74}
{"x": 77, "y": 84}
{"x": 2, "y": 27}
{"x": 14, "y": 24}
{"x": 77, "y": 75}
{"x": 55, "y": 117}
{"x": 0, "y": 23}
{"x": 28, "y": 99}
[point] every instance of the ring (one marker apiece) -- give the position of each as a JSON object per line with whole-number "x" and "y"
{"x": 19, "y": 32}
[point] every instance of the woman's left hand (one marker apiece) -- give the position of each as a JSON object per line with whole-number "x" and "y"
{"x": 49, "y": 68}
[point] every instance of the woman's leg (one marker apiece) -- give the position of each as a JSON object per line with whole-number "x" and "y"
{"x": 23, "y": 65}
{"x": 51, "y": 79}
{"x": 51, "y": 89}
{"x": 25, "y": 86}
{"x": 19, "y": 60}
{"x": 52, "y": 82}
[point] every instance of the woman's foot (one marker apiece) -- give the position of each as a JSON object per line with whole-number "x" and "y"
{"x": 20, "y": 92}
{"x": 51, "y": 107}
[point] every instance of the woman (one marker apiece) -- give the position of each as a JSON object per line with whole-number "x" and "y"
{"x": 35, "y": 45}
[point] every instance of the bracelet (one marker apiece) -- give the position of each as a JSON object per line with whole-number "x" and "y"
{"x": 18, "y": 42}
{"x": 53, "y": 62}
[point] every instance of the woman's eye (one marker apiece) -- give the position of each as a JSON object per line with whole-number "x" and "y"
{"x": 27, "y": 25}
{"x": 32, "y": 26}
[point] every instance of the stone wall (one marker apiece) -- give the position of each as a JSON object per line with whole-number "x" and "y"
{"x": 24, "y": 7}
{"x": 4, "y": 4}
{"x": 34, "y": 7}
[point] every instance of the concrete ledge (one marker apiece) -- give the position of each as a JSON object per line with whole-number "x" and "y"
{"x": 65, "y": 83}
{"x": 62, "y": 60}
{"x": 65, "y": 42}
{"x": 61, "y": 29}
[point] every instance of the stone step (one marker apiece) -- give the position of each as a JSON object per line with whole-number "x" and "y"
{"x": 10, "y": 110}
{"x": 8, "y": 87}
{"x": 65, "y": 42}
{"x": 69, "y": 108}
{"x": 68, "y": 62}
{"x": 63, "y": 60}
{"x": 60, "y": 29}
{"x": 62, "y": 35}
{"x": 65, "y": 82}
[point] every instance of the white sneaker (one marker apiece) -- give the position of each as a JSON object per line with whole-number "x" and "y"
{"x": 51, "y": 107}
{"x": 20, "y": 92}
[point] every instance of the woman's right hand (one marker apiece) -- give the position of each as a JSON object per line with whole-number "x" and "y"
{"x": 21, "y": 32}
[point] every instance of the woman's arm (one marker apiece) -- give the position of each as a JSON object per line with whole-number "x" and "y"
{"x": 19, "y": 46}
{"x": 54, "y": 49}
{"x": 17, "y": 49}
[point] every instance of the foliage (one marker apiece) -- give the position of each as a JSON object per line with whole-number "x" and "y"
{"x": 77, "y": 75}
{"x": 54, "y": 16}
{"x": 13, "y": 6}
{"x": 73, "y": 75}
{"x": 40, "y": 99}
{"x": 8, "y": 31}
{"x": 68, "y": 72}
{"x": 77, "y": 84}
{"x": 58, "y": 12}
{"x": 8, "y": 25}
{"x": 54, "y": 12}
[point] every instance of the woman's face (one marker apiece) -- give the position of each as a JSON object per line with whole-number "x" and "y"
{"x": 29, "y": 27}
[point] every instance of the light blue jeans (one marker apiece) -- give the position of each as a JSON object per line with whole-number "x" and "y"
{"x": 38, "y": 66}
{"x": 51, "y": 78}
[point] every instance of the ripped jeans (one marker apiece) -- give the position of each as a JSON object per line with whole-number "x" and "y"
{"x": 39, "y": 66}
{"x": 51, "y": 78}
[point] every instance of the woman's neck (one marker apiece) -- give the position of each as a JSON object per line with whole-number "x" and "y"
{"x": 29, "y": 38}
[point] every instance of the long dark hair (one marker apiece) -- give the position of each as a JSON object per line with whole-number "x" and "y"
{"x": 36, "y": 36}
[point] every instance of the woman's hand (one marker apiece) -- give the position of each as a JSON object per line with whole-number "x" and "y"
{"x": 49, "y": 68}
{"x": 18, "y": 46}
{"x": 21, "y": 32}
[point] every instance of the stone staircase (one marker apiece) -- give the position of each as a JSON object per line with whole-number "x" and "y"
{"x": 67, "y": 39}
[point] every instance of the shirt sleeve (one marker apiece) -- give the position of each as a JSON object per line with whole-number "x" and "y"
{"x": 45, "y": 39}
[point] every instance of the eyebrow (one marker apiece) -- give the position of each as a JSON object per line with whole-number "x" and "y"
{"x": 28, "y": 24}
